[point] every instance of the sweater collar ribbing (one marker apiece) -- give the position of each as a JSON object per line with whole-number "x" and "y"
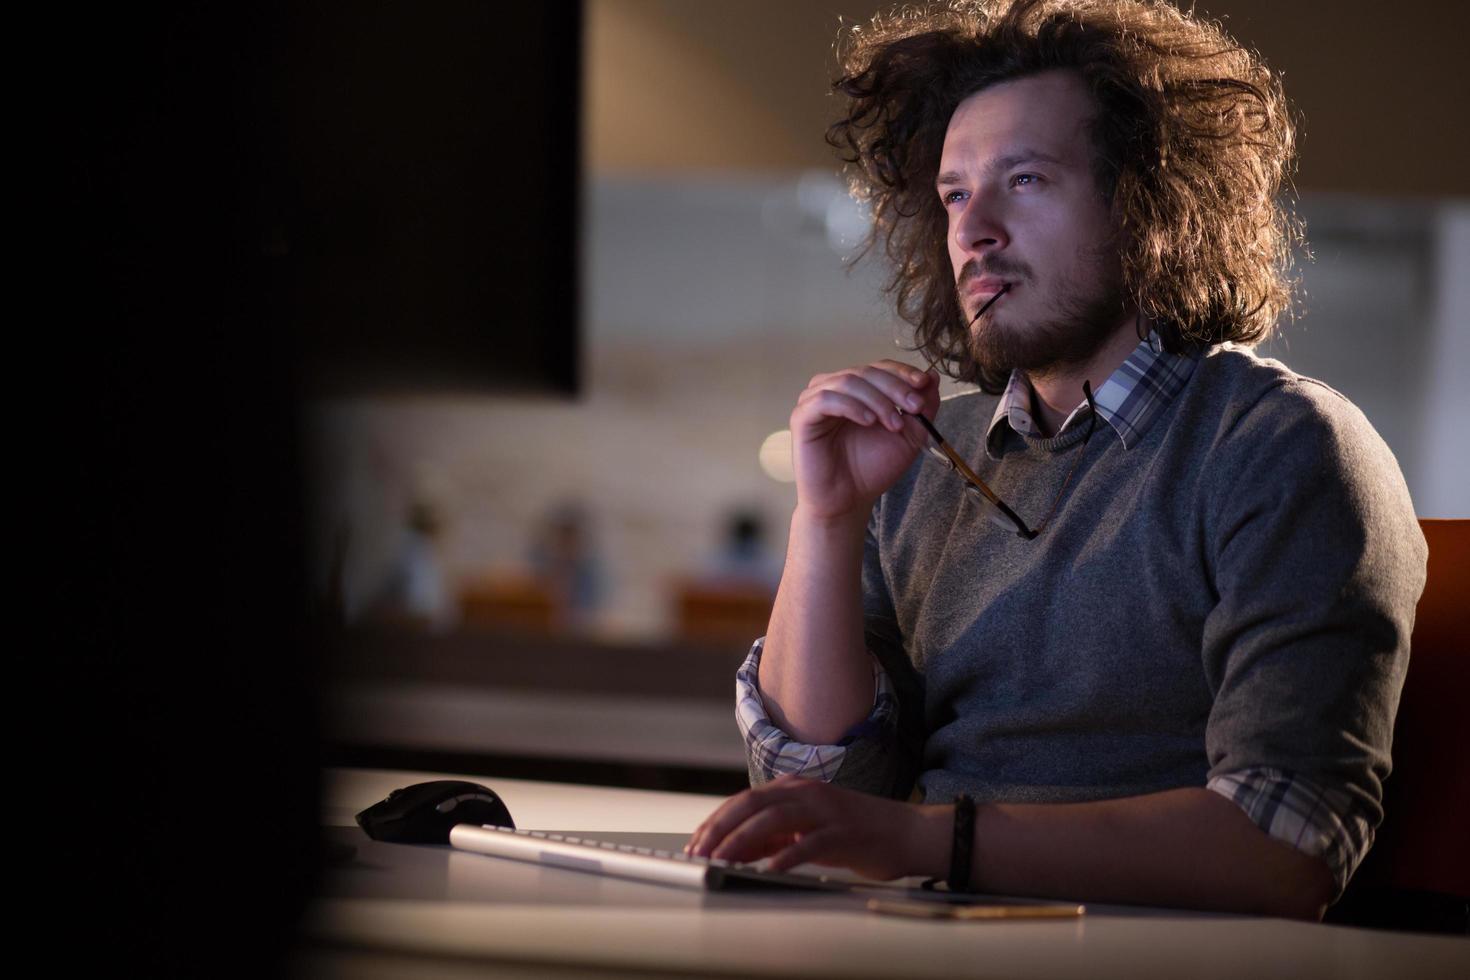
{"x": 1130, "y": 400}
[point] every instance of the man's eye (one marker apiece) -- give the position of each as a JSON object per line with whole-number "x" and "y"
{"x": 1021, "y": 180}
{"x": 950, "y": 197}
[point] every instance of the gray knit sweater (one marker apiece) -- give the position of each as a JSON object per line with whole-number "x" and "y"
{"x": 1235, "y": 590}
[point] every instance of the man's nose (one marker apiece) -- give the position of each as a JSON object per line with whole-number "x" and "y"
{"x": 979, "y": 228}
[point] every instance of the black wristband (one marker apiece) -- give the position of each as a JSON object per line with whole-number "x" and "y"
{"x": 963, "y": 846}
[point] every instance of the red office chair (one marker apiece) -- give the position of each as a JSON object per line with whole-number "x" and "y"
{"x": 1417, "y": 876}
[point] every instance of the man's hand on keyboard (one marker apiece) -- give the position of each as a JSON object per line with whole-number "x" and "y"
{"x": 793, "y": 820}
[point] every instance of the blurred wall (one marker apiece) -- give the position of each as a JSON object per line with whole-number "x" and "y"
{"x": 683, "y": 85}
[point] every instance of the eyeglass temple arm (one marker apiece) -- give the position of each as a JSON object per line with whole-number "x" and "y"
{"x": 959, "y": 462}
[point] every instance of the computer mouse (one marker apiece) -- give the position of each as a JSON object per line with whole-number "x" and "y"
{"x": 424, "y": 812}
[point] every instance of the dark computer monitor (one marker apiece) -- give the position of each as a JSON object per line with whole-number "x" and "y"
{"x": 258, "y": 202}
{"x": 420, "y": 199}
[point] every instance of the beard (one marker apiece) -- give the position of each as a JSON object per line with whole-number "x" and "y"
{"x": 1084, "y": 315}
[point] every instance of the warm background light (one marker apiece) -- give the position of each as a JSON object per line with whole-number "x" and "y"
{"x": 775, "y": 457}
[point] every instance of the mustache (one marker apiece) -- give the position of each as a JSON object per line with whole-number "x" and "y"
{"x": 998, "y": 268}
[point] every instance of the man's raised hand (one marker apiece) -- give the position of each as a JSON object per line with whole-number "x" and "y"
{"x": 850, "y": 437}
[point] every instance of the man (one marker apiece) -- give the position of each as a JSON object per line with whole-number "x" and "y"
{"x": 1162, "y": 666}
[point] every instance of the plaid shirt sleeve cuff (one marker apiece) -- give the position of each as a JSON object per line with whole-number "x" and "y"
{"x": 771, "y": 752}
{"x": 1313, "y": 819}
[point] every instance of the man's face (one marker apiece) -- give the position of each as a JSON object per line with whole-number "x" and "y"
{"x": 1016, "y": 177}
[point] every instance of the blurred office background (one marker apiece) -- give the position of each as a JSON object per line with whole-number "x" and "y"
{"x": 564, "y": 584}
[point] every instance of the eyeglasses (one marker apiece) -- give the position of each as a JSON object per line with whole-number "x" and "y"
{"x": 985, "y": 498}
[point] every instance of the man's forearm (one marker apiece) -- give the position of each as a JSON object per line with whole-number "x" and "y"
{"x": 815, "y": 673}
{"x": 1188, "y": 848}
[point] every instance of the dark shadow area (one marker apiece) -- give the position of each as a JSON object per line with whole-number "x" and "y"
{"x": 195, "y": 241}
{"x": 185, "y": 760}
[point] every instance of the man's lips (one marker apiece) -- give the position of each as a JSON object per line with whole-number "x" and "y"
{"x": 980, "y": 288}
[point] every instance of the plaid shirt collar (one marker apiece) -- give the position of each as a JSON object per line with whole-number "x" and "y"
{"x": 1130, "y": 400}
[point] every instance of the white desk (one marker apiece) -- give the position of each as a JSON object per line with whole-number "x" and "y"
{"x": 436, "y": 913}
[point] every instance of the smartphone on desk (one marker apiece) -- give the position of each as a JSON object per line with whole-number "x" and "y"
{"x": 915, "y": 909}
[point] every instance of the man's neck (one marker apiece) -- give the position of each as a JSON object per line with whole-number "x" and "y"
{"x": 1058, "y": 389}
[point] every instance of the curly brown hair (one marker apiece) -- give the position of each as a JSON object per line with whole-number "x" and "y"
{"x": 1193, "y": 140}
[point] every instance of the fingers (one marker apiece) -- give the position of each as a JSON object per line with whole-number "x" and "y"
{"x": 930, "y": 391}
{"x": 717, "y": 825}
{"x": 829, "y": 403}
{"x": 760, "y": 822}
{"x": 881, "y": 392}
{"x": 765, "y": 833}
{"x": 908, "y": 372}
{"x": 807, "y": 847}
{"x": 738, "y": 809}
{"x": 793, "y": 820}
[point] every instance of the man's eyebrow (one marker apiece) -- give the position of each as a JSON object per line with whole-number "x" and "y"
{"x": 1023, "y": 156}
{"x": 950, "y": 178}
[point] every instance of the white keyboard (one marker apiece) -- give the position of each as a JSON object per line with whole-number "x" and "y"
{"x": 625, "y": 861}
